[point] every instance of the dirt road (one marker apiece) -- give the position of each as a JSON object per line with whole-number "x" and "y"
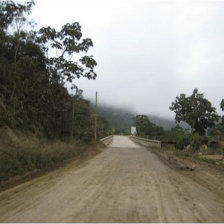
{"x": 124, "y": 183}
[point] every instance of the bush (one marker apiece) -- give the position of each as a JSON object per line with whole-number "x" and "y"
{"x": 183, "y": 141}
{"x": 196, "y": 142}
{"x": 19, "y": 160}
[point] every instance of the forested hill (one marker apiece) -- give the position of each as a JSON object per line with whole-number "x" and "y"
{"x": 33, "y": 84}
{"x": 166, "y": 123}
{"x": 123, "y": 118}
{"x": 118, "y": 118}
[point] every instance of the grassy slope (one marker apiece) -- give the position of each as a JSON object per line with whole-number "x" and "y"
{"x": 23, "y": 152}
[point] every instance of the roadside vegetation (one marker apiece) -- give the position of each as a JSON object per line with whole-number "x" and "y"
{"x": 205, "y": 136}
{"x": 34, "y": 155}
{"x": 38, "y": 94}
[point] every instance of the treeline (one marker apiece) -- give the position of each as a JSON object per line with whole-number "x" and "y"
{"x": 197, "y": 112}
{"x": 121, "y": 120}
{"x": 147, "y": 129}
{"x": 35, "y": 67}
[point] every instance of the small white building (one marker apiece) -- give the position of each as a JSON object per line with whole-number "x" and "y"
{"x": 133, "y": 131}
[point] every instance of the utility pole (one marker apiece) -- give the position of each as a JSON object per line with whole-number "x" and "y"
{"x": 72, "y": 117}
{"x": 95, "y": 121}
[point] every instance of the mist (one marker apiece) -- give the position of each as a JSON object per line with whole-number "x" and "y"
{"x": 148, "y": 52}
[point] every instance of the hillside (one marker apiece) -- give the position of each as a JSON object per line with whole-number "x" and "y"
{"x": 166, "y": 123}
{"x": 120, "y": 118}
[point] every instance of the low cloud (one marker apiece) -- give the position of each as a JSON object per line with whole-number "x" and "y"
{"x": 148, "y": 52}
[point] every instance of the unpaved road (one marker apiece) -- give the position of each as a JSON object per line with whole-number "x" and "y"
{"x": 124, "y": 183}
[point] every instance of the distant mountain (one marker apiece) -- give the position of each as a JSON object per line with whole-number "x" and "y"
{"x": 166, "y": 123}
{"x": 120, "y": 118}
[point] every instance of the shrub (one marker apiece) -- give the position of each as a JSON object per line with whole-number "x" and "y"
{"x": 19, "y": 160}
{"x": 196, "y": 142}
{"x": 183, "y": 141}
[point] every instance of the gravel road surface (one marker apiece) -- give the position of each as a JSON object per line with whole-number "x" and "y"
{"x": 124, "y": 183}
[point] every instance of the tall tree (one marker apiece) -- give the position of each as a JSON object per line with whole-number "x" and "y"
{"x": 33, "y": 79}
{"x": 145, "y": 128}
{"x": 67, "y": 42}
{"x": 195, "y": 110}
{"x": 142, "y": 124}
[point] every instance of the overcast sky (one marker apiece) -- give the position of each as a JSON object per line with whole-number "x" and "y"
{"x": 148, "y": 52}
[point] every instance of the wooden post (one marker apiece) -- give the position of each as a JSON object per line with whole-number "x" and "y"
{"x": 72, "y": 117}
{"x": 95, "y": 121}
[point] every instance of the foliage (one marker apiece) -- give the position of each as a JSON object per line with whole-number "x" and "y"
{"x": 183, "y": 140}
{"x": 83, "y": 120}
{"x": 19, "y": 160}
{"x": 216, "y": 132}
{"x": 147, "y": 129}
{"x": 195, "y": 110}
{"x": 196, "y": 142}
{"x": 66, "y": 42}
{"x": 172, "y": 135}
{"x": 11, "y": 12}
{"x": 33, "y": 79}
{"x": 103, "y": 127}
{"x": 142, "y": 125}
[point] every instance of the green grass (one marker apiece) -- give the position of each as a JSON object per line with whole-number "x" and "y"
{"x": 213, "y": 162}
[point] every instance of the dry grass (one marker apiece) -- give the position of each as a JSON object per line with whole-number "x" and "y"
{"x": 24, "y": 152}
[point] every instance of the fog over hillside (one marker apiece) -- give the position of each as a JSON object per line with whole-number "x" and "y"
{"x": 147, "y": 52}
{"x": 120, "y": 118}
{"x": 166, "y": 123}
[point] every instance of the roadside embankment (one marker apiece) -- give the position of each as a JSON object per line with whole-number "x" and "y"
{"x": 24, "y": 155}
{"x": 170, "y": 159}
